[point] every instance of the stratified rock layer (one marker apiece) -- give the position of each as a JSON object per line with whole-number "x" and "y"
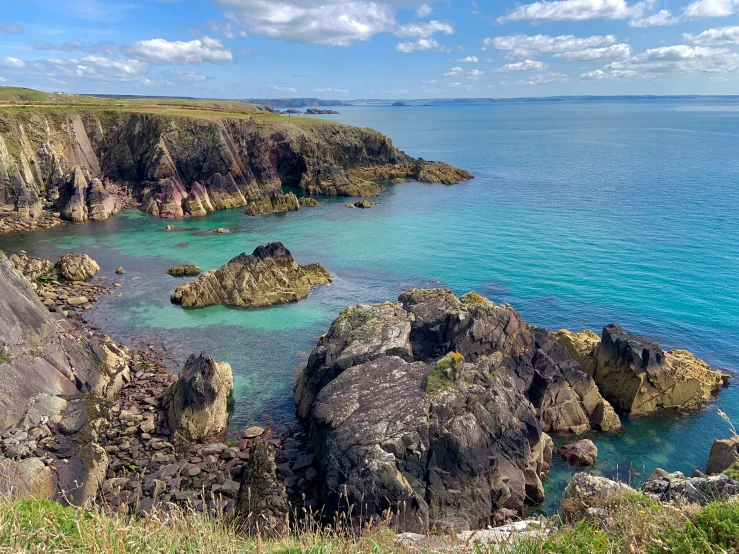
{"x": 637, "y": 376}
{"x": 87, "y": 163}
{"x": 440, "y": 404}
{"x": 269, "y": 276}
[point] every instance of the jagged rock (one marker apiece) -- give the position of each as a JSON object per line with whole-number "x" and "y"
{"x": 582, "y": 453}
{"x": 307, "y": 202}
{"x": 423, "y": 382}
{"x": 724, "y": 454}
{"x": 31, "y": 268}
{"x": 101, "y": 204}
{"x": 267, "y": 277}
{"x": 184, "y": 271}
{"x": 75, "y": 209}
{"x": 427, "y": 324}
{"x": 262, "y": 500}
{"x": 80, "y": 478}
{"x": 274, "y": 202}
{"x": 197, "y": 403}
{"x": 77, "y": 267}
{"x": 637, "y": 376}
{"x": 676, "y": 487}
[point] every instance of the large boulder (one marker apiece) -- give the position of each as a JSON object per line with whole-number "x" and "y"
{"x": 589, "y": 496}
{"x": 31, "y": 268}
{"x": 582, "y": 453}
{"x": 637, "y": 376}
{"x": 197, "y": 403}
{"x": 459, "y": 385}
{"x": 184, "y": 271}
{"x": 269, "y": 276}
{"x": 77, "y": 267}
{"x": 724, "y": 454}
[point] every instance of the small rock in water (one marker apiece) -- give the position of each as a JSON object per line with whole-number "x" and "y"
{"x": 120, "y": 271}
{"x": 253, "y": 432}
{"x": 582, "y": 453}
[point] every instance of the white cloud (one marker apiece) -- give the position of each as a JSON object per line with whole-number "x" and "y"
{"x": 597, "y": 75}
{"x": 720, "y": 35}
{"x": 660, "y": 19}
{"x": 469, "y": 59}
{"x": 420, "y": 44}
{"x": 184, "y": 76}
{"x": 336, "y": 90}
{"x": 527, "y": 46}
{"x": 9, "y": 28}
{"x": 431, "y": 82}
{"x": 284, "y": 89}
{"x": 108, "y": 48}
{"x": 575, "y": 10}
{"x": 526, "y": 65}
{"x": 424, "y": 30}
{"x": 475, "y": 74}
{"x": 331, "y": 22}
{"x": 424, "y": 11}
{"x": 454, "y": 71}
{"x": 678, "y": 59}
{"x": 2, "y": 79}
{"x": 541, "y": 79}
{"x": 159, "y": 50}
{"x": 615, "y": 52}
{"x": 701, "y": 9}
{"x": 12, "y": 63}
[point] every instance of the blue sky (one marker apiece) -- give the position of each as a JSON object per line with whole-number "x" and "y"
{"x": 350, "y": 49}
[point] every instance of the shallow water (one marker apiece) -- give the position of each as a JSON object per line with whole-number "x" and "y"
{"x": 581, "y": 214}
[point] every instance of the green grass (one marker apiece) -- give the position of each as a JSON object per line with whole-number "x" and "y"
{"x": 443, "y": 375}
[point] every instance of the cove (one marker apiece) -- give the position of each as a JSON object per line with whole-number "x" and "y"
{"x": 581, "y": 214}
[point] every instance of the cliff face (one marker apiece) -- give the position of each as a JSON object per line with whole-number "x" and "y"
{"x": 82, "y": 163}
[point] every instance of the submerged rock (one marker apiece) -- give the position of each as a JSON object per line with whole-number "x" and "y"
{"x": 184, "y": 271}
{"x": 440, "y": 397}
{"x": 269, "y": 276}
{"x": 77, "y": 267}
{"x": 637, "y": 376}
{"x": 197, "y": 403}
{"x": 582, "y": 453}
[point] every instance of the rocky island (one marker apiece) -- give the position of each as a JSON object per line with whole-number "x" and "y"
{"x": 269, "y": 276}
{"x": 94, "y": 157}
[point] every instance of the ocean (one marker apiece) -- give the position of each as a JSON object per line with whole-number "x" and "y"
{"x": 582, "y": 213}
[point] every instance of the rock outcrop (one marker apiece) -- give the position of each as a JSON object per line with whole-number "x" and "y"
{"x": 676, "y": 487}
{"x": 724, "y": 455}
{"x": 184, "y": 271}
{"x": 269, "y": 276}
{"x": 197, "y": 403}
{"x": 31, "y": 268}
{"x": 77, "y": 267}
{"x": 274, "y": 202}
{"x": 427, "y": 401}
{"x": 86, "y": 164}
{"x": 635, "y": 375}
{"x": 55, "y": 382}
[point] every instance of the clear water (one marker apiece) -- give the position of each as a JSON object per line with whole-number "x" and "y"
{"x": 581, "y": 214}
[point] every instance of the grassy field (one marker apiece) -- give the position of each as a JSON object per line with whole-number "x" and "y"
{"x": 19, "y": 101}
{"x": 638, "y": 527}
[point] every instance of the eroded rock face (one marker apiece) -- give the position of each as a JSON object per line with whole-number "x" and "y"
{"x": 724, "y": 454}
{"x": 77, "y": 267}
{"x": 637, "y": 376}
{"x": 197, "y": 403}
{"x": 441, "y": 398}
{"x": 269, "y": 276}
{"x": 178, "y": 167}
{"x": 262, "y": 500}
{"x": 275, "y": 202}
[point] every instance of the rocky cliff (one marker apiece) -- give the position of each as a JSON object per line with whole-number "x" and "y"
{"x": 84, "y": 163}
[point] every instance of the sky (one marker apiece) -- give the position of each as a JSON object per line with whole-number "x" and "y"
{"x": 358, "y": 49}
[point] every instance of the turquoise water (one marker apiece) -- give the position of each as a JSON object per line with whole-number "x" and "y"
{"x": 581, "y": 214}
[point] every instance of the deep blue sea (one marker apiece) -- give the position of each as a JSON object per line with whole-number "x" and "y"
{"x": 581, "y": 214}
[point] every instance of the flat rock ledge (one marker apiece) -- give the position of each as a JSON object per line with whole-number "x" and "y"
{"x": 638, "y": 377}
{"x": 269, "y": 276}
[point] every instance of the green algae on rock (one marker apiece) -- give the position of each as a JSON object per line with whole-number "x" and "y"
{"x": 269, "y": 276}
{"x": 184, "y": 271}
